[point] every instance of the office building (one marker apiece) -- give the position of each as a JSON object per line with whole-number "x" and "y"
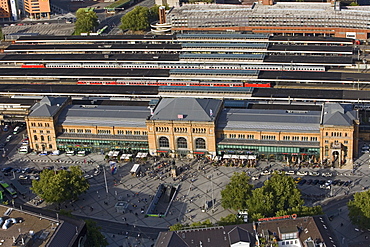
{"x": 4, "y": 9}
{"x": 37, "y": 9}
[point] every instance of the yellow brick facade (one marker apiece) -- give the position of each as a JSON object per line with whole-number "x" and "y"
{"x": 173, "y": 130}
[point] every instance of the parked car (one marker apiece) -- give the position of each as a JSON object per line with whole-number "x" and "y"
{"x": 347, "y": 183}
{"x": 256, "y": 177}
{"x": 302, "y": 173}
{"x": 329, "y": 182}
{"x": 335, "y": 182}
{"x": 327, "y": 174}
{"x": 266, "y": 172}
{"x": 316, "y": 181}
{"x": 43, "y": 153}
{"x": 302, "y": 182}
{"x": 7, "y": 169}
{"x": 309, "y": 181}
{"x": 6, "y": 128}
{"x": 291, "y": 172}
{"x": 24, "y": 176}
{"x": 314, "y": 174}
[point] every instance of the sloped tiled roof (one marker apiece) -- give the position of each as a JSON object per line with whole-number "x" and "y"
{"x": 238, "y": 234}
{"x": 170, "y": 239}
{"x": 190, "y": 109}
{"x": 274, "y": 120}
{"x": 104, "y": 115}
{"x": 338, "y": 114}
{"x": 47, "y": 107}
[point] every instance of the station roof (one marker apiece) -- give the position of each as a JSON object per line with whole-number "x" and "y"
{"x": 279, "y": 47}
{"x": 225, "y": 45}
{"x": 319, "y": 76}
{"x": 274, "y": 120}
{"x": 103, "y": 38}
{"x": 83, "y": 72}
{"x": 310, "y": 38}
{"x": 90, "y": 57}
{"x": 311, "y": 93}
{"x": 37, "y": 89}
{"x": 187, "y": 109}
{"x": 214, "y": 71}
{"x": 205, "y": 89}
{"x": 309, "y": 59}
{"x": 104, "y": 115}
{"x": 221, "y": 56}
{"x": 222, "y": 36}
{"x": 86, "y": 47}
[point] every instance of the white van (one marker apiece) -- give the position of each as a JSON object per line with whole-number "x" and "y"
{"x": 70, "y": 153}
{"x": 23, "y": 149}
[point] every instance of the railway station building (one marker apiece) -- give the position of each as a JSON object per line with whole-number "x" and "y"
{"x": 189, "y": 127}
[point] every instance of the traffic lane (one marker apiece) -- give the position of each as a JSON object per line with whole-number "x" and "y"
{"x": 9, "y": 146}
{"x": 123, "y": 228}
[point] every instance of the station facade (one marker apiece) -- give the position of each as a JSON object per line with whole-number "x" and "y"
{"x": 189, "y": 127}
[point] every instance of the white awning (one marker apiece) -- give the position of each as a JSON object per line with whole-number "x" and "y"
{"x": 252, "y": 157}
{"x": 227, "y": 156}
{"x": 244, "y": 157}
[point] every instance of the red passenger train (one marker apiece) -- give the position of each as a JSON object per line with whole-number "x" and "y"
{"x": 177, "y": 83}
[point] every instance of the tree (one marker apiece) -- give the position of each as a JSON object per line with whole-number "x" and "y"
{"x": 60, "y": 186}
{"x": 359, "y": 209}
{"x": 87, "y": 20}
{"x": 231, "y": 219}
{"x": 1, "y": 34}
{"x": 279, "y": 196}
{"x": 154, "y": 12}
{"x": 206, "y": 223}
{"x": 177, "y": 227}
{"x": 237, "y": 192}
{"x": 94, "y": 237}
{"x": 137, "y": 19}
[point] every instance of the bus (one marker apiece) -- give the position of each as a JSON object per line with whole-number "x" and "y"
{"x": 18, "y": 187}
{"x": 1, "y": 194}
{"x": 8, "y": 189}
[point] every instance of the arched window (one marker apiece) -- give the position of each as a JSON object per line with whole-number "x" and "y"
{"x": 182, "y": 143}
{"x": 163, "y": 142}
{"x": 200, "y": 143}
{"x": 42, "y": 138}
{"x": 35, "y": 137}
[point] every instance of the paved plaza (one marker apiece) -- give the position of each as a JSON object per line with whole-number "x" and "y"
{"x": 199, "y": 181}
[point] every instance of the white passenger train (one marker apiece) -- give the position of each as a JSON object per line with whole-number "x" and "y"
{"x": 268, "y": 67}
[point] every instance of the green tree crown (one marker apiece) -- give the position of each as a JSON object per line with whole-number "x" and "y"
{"x": 60, "y": 186}
{"x": 237, "y": 192}
{"x": 86, "y": 21}
{"x": 359, "y": 209}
